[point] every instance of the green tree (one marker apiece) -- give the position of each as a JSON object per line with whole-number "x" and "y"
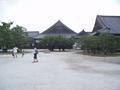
{"x": 18, "y": 36}
{"x": 107, "y": 43}
{"x": 11, "y": 37}
{"x": 104, "y": 43}
{"x": 5, "y": 35}
{"x": 57, "y": 42}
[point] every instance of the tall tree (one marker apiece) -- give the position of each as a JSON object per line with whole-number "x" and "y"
{"x": 5, "y": 35}
{"x": 11, "y": 37}
{"x": 18, "y": 36}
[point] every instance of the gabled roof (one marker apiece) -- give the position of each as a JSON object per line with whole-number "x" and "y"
{"x": 108, "y": 23}
{"x": 32, "y": 33}
{"x": 58, "y": 28}
{"x": 82, "y": 33}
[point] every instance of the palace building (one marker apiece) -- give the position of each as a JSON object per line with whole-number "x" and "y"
{"x": 58, "y": 29}
{"x": 110, "y": 24}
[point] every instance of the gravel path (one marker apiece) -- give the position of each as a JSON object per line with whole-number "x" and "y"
{"x": 59, "y": 71}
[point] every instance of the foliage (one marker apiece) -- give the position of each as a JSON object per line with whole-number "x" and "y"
{"x": 103, "y": 43}
{"x": 10, "y": 37}
{"x": 5, "y": 35}
{"x": 57, "y": 42}
{"x": 18, "y": 36}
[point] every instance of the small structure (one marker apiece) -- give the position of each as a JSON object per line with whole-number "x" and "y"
{"x": 31, "y": 35}
{"x": 83, "y": 33}
{"x": 110, "y": 24}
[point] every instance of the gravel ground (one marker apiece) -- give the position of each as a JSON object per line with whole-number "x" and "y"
{"x": 59, "y": 71}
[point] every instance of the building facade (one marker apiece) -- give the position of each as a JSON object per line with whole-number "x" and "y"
{"x": 110, "y": 24}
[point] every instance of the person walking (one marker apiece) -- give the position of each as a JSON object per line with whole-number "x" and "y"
{"x": 22, "y": 52}
{"x": 15, "y": 52}
{"x": 35, "y": 52}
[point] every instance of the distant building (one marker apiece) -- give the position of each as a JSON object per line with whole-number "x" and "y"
{"x": 110, "y": 24}
{"x": 58, "y": 29}
{"x": 82, "y": 33}
{"x": 32, "y": 34}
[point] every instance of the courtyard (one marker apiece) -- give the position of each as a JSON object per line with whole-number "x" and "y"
{"x": 59, "y": 71}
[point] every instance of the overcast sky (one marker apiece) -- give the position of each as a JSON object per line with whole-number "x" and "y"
{"x": 38, "y": 15}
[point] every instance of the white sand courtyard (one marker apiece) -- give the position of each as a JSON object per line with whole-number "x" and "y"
{"x": 59, "y": 71}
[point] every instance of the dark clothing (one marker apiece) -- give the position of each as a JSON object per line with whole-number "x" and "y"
{"x": 12, "y": 53}
{"x": 35, "y": 55}
{"x": 36, "y": 51}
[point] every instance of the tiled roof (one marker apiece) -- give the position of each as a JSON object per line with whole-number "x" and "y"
{"x": 82, "y": 33}
{"x": 109, "y": 23}
{"x": 59, "y": 28}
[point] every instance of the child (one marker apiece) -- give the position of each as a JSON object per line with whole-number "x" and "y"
{"x": 22, "y": 52}
{"x": 35, "y": 55}
{"x": 12, "y": 53}
{"x": 15, "y": 52}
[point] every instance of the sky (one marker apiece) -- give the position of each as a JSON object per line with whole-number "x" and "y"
{"x": 39, "y": 15}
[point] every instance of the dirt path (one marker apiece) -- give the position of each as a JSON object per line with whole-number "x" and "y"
{"x": 59, "y": 71}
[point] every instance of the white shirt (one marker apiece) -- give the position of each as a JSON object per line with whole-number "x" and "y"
{"x": 34, "y": 50}
{"x": 15, "y": 49}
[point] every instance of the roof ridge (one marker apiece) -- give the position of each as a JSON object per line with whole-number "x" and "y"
{"x": 108, "y": 15}
{"x": 58, "y": 23}
{"x": 101, "y": 21}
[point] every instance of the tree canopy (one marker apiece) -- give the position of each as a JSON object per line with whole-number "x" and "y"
{"x": 57, "y": 42}
{"x": 105, "y": 43}
{"x": 10, "y": 37}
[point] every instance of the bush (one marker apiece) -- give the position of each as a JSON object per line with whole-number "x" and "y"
{"x": 57, "y": 42}
{"x": 104, "y": 43}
